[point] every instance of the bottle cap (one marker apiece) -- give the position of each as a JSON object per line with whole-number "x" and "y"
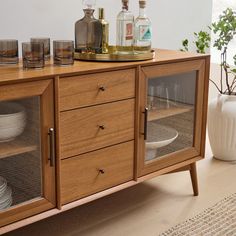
{"x": 125, "y": 3}
{"x": 142, "y": 3}
{"x": 89, "y": 4}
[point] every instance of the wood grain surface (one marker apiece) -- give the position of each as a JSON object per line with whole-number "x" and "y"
{"x": 86, "y": 90}
{"x": 92, "y": 172}
{"x": 87, "y": 129}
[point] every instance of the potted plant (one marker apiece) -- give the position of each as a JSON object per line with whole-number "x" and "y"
{"x": 222, "y": 110}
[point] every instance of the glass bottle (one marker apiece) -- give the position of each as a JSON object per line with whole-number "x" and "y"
{"x": 88, "y": 31}
{"x": 143, "y": 30}
{"x": 125, "y": 29}
{"x": 105, "y": 31}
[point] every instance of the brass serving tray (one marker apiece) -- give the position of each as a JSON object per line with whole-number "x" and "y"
{"x": 113, "y": 56}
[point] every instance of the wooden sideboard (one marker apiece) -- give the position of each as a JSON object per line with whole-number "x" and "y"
{"x": 95, "y": 128}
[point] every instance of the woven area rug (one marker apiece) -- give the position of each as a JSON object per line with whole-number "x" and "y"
{"x": 218, "y": 220}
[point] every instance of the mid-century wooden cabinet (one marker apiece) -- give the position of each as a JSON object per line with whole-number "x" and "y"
{"x": 92, "y": 129}
{"x": 27, "y": 161}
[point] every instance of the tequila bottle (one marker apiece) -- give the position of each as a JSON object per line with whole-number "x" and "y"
{"x": 125, "y": 29}
{"x": 88, "y": 31}
{"x": 143, "y": 30}
{"x": 105, "y": 31}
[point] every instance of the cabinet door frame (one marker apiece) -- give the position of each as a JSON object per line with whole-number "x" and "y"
{"x": 45, "y": 90}
{"x": 200, "y": 107}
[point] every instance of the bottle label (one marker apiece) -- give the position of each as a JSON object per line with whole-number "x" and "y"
{"x": 145, "y": 33}
{"x": 129, "y": 31}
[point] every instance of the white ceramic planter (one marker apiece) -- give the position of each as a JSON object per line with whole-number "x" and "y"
{"x": 222, "y": 127}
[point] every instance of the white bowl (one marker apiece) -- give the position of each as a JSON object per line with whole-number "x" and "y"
{"x": 160, "y": 136}
{"x": 12, "y": 120}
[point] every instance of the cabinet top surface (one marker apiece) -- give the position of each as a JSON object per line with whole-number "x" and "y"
{"x": 17, "y": 73}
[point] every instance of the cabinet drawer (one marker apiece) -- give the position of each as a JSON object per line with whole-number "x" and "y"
{"x": 81, "y": 91}
{"x": 96, "y": 171}
{"x": 91, "y": 128}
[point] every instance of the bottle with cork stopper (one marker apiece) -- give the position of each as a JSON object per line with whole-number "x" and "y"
{"x": 143, "y": 30}
{"x": 125, "y": 29}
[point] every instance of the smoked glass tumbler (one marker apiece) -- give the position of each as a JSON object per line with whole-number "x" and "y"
{"x": 46, "y": 43}
{"x": 63, "y": 52}
{"x": 9, "y": 51}
{"x": 33, "y": 55}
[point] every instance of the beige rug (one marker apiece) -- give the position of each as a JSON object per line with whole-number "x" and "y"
{"x": 218, "y": 220}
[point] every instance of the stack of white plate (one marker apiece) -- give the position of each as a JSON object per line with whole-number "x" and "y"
{"x": 5, "y": 194}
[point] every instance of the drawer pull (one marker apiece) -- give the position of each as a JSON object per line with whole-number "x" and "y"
{"x": 102, "y": 127}
{"x": 102, "y": 88}
{"x": 101, "y": 171}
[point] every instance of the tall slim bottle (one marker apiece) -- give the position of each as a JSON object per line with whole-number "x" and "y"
{"x": 125, "y": 29}
{"x": 105, "y": 31}
{"x": 143, "y": 30}
{"x": 88, "y": 31}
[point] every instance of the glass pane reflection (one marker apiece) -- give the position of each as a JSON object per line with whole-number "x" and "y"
{"x": 171, "y": 104}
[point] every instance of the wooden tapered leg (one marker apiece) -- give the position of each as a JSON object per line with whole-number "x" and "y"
{"x": 193, "y": 174}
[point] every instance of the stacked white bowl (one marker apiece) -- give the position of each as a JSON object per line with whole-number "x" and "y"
{"x": 12, "y": 120}
{"x": 5, "y": 194}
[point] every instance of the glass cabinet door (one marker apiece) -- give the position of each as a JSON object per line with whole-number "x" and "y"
{"x": 171, "y": 114}
{"x": 26, "y": 158}
{"x": 20, "y": 152}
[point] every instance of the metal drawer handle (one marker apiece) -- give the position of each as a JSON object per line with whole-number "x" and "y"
{"x": 101, "y": 171}
{"x": 102, "y": 127}
{"x": 145, "y": 123}
{"x": 52, "y": 147}
{"x": 102, "y": 88}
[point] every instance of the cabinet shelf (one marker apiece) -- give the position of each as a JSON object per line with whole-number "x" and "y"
{"x": 176, "y": 109}
{"x": 15, "y": 147}
{"x": 163, "y": 113}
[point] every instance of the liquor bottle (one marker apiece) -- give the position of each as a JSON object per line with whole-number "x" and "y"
{"x": 105, "y": 31}
{"x": 125, "y": 29}
{"x": 88, "y": 31}
{"x": 143, "y": 30}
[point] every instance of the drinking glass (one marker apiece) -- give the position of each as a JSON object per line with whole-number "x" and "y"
{"x": 46, "y": 43}
{"x": 63, "y": 52}
{"x": 33, "y": 55}
{"x": 8, "y": 51}
{"x": 162, "y": 92}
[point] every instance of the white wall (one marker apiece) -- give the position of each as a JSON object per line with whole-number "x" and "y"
{"x": 172, "y": 20}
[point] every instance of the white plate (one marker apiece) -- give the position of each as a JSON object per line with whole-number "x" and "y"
{"x": 6, "y": 196}
{"x": 2, "y": 191}
{"x": 3, "y": 182}
{"x": 6, "y": 204}
{"x": 160, "y": 135}
{"x": 3, "y": 185}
